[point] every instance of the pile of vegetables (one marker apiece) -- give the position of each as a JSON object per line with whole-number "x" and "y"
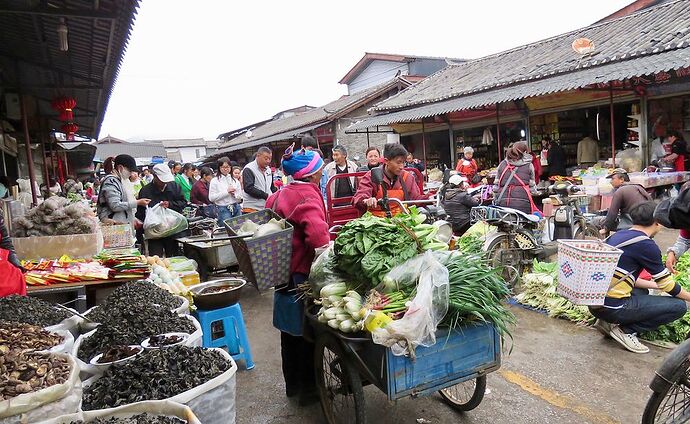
{"x": 539, "y": 292}
{"x": 470, "y": 243}
{"x": 340, "y": 308}
{"x": 676, "y": 331}
{"x": 56, "y": 216}
{"x": 368, "y": 247}
{"x": 476, "y": 293}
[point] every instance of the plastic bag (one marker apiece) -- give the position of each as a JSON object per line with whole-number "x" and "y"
{"x": 426, "y": 310}
{"x": 157, "y": 407}
{"x": 71, "y": 324}
{"x": 50, "y": 402}
{"x": 323, "y": 271}
{"x": 213, "y": 401}
{"x": 163, "y": 222}
{"x": 182, "y": 264}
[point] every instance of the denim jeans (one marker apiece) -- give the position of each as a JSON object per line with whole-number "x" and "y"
{"x": 227, "y": 212}
{"x": 643, "y": 312}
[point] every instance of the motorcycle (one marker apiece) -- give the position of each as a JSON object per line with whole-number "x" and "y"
{"x": 519, "y": 237}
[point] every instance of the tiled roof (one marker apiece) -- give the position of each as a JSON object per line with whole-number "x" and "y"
{"x": 651, "y": 31}
{"x": 136, "y": 150}
{"x": 180, "y": 142}
{"x": 320, "y": 114}
{"x": 645, "y": 65}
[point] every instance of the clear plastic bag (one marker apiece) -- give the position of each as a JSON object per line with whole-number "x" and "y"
{"x": 426, "y": 310}
{"x": 323, "y": 271}
{"x": 163, "y": 222}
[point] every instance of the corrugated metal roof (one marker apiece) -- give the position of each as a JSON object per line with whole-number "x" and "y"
{"x": 180, "y": 142}
{"x": 317, "y": 115}
{"x": 646, "y": 65}
{"x": 658, "y": 29}
{"x": 30, "y": 56}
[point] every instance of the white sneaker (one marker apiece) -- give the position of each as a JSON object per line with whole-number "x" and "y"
{"x": 603, "y": 327}
{"x": 629, "y": 341}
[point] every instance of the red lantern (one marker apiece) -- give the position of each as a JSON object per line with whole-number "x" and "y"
{"x": 70, "y": 129}
{"x": 64, "y": 105}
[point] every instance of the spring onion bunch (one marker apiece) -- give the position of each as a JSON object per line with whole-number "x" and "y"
{"x": 476, "y": 292}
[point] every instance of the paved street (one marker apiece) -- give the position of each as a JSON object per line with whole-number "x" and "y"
{"x": 557, "y": 373}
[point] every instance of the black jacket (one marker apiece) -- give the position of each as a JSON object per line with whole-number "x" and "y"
{"x": 457, "y": 204}
{"x": 172, "y": 194}
{"x": 556, "y": 159}
{"x": 6, "y": 243}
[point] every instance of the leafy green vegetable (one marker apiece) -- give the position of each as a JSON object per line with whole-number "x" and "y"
{"x": 676, "y": 331}
{"x": 539, "y": 291}
{"x": 470, "y": 243}
{"x": 368, "y": 247}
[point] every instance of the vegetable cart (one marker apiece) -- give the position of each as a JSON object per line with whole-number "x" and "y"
{"x": 456, "y": 367}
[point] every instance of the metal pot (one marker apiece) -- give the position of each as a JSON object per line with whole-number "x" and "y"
{"x": 220, "y": 299}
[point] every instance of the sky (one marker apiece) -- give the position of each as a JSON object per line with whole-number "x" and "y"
{"x": 201, "y": 68}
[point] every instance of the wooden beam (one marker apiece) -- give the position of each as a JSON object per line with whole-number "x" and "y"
{"x": 57, "y": 12}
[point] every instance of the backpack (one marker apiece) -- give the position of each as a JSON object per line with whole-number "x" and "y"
{"x": 675, "y": 212}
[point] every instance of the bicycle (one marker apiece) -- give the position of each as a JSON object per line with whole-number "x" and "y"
{"x": 670, "y": 399}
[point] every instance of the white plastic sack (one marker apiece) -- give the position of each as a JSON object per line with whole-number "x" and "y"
{"x": 163, "y": 222}
{"x": 322, "y": 272}
{"x": 88, "y": 370}
{"x": 213, "y": 401}
{"x": 156, "y": 407}
{"x": 183, "y": 309}
{"x": 50, "y": 402}
{"x": 426, "y": 310}
{"x": 70, "y": 324}
{"x": 65, "y": 346}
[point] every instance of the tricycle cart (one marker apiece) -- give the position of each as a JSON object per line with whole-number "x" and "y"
{"x": 456, "y": 367}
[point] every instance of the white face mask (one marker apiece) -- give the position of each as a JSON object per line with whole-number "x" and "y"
{"x": 125, "y": 173}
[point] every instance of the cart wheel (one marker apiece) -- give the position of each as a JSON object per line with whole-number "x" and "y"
{"x": 465, "y": 396}
{"x": 203, "y": 269}
{"x": 338, "y": 382}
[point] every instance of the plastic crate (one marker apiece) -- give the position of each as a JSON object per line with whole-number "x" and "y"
{"x": 120, "y": 235}
{"x": 264, "y": 261}
{"x": 585, "y": 269}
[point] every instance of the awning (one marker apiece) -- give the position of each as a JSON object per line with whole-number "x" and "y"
{"x": 277, "y": 137}
{"x": 635, "y": 67}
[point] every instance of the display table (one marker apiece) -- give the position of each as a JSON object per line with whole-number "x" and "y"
{"x": 83, "y": 292}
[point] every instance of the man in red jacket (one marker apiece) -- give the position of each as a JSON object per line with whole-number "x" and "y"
{"x": 389, "y": 180}
{"x": 301, "y": 204}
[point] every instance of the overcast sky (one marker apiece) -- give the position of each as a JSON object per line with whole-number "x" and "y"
{"x": 200, "y": 68}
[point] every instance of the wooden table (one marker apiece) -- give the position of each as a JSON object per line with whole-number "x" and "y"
{"x": 83, "y": 292}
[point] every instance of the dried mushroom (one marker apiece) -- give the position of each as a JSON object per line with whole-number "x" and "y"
{"x": 31, "y": 310}
{"x": 25, "y": 372}
{"x": 139, "y": 293}
{"x": 20, "y": 336}
{"x": 155, "y": 374}
{"x": 144, "y": 418}
{"x": 130, "y": 326}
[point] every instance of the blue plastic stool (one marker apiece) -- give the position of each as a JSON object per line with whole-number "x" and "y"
{"x": 235, "y": 333}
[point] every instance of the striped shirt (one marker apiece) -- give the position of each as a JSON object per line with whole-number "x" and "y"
{"x": 644, "y": 254}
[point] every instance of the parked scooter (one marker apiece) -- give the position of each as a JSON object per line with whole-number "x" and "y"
{"x": 519, "y": 237}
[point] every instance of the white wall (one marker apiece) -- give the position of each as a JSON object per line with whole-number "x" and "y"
{"x": 378, "y": 72}
{"x": 189, "y": 154}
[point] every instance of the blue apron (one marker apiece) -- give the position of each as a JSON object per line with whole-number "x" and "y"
{"x": 288, "y": 310}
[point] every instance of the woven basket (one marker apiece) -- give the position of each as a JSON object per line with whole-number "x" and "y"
{"x": 119, "y": 235}
{"x": 585, "y": 270}
{"x": 264, "y": 261}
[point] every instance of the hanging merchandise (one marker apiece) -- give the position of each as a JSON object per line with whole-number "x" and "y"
{"x": 65, "y": 106}
{"x": 70, "y": 129}
{"x": 487, "y": 137}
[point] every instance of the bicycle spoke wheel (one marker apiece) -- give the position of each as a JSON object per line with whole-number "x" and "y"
{"x": 671, "y": 406}
{"x": 339, "y": 384}
{"x": 465, "y": 396}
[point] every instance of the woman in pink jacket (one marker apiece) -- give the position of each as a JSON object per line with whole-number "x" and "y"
{"x": 301, "y": 204}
